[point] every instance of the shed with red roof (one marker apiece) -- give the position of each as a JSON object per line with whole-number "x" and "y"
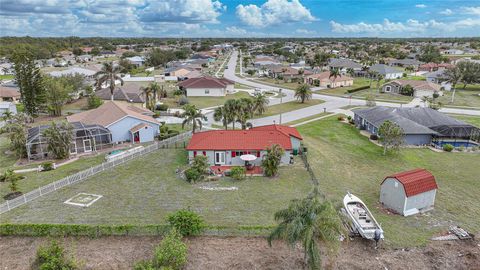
{"x": 410, "y": 192}
{"x": 224, "y": 147}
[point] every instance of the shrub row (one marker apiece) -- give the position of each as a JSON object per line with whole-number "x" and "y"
{"x": 358, "y": 89}
{"x": 37, "y": 230}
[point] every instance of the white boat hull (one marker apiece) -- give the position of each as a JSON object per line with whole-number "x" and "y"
{"x": 362, "y": 219}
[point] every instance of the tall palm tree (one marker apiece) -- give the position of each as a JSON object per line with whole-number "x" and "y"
{"x": 351, "y": 72}
{"x": 193, "y": 116}
{"x": 260, "y": 102}
{"x": 147, "y": 92}
{"x": 312, "y": 222}
{"x": 156, "y": 91}
{"x": 7, "y": 115}
{"x": 109, "y": 74}
{"x": 231, "y": 110}
{"x": 221, "y": 114}
{"x": 303, "y": 92}
{"x": 335, "y": 73}
{"x": 378, "y": 79}
{"x": 245, "y": 111}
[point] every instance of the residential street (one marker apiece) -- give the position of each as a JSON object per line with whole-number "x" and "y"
{"x": 332, "y": 104}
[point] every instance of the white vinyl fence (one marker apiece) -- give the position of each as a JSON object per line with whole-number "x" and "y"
{"x": 82, "y": 175}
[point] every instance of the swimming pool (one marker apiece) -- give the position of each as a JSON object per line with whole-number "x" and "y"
{"x": 458, "y": 143}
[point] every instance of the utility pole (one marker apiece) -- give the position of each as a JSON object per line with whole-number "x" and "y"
{"x": 281, "y": 99}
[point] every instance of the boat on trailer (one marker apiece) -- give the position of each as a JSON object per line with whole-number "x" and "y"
{"x": 362, "y": 219}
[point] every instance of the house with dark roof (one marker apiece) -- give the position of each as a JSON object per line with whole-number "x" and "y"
{"x": 206, "y": 86}
{"x": 344, "y": 64}
{"x": 408, "y": 193}
{"x": 405, "y": 63}
{"x": 421, "y": 126}
{"x": 129, "y": 93}
{"x": 9, "y": 94}
{"x": 420, "y": 88}
{"x": 224, "y": 147}
{"x": 387, "y": 72}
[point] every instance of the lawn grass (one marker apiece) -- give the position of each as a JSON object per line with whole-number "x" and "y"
{"x": 471, "y": 119}
{"x": 6, "y": 161}
{"x": 343, "y": 160}
{"x": 6, "y": 77}
{"x": 287, "y": 107}
{"x": 34, "y": 180}
{"x": 278, "y": 83}
{"x": 146, "y": 189}
{"x": 308, "y": 118}
{"x": 206, "y": 102}
{"x": 470, "y": 97}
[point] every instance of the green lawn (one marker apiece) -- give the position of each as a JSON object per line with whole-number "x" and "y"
{"x": 146, "y": 189}
{"x": 6, "y": 161}
{"x": 205, "y": 102}
{"x": 308, "y": 118}
{"x": 278, "y": 83}
{"x": 362, "y": 94}
{"x": 470, "y": 97}
{"x": 34, "y": 180}
{"x": 345, "y": 161}
{"x": 474, "y": 120}
{"x": 6, "y": 77}
{"x": 288, "y": 106}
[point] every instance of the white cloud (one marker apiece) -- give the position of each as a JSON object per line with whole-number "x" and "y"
{"x": 386, "y": 27}
{"x": 236, "y": 31}
{"x": 421, "y": 6}
{"x": 471, "y": 10}
{"x": 188, "y": 11}
{"x": 305, "y": 32}
{"x": 446, "y": 12}
{"x": 274, "y": 12}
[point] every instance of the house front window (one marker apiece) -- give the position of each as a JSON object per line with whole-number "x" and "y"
{"x": 388, "y": 88}
{"x": 207, "y": 91}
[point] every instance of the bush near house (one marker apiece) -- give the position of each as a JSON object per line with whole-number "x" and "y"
{"x": 358, "y": 89}
{"x": 53, "y": 257}
{"x": 238, "y": 173}
{"x": 448, "y": 147}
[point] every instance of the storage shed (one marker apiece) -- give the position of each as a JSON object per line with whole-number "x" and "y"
{"x": 408, "y": 193}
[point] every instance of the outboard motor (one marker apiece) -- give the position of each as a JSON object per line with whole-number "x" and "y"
{"x": 377, "y": 236}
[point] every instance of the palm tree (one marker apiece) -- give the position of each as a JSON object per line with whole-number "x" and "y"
{"x": 7, "y": 115}
{"x": 272, "y": 160}
{"x": 350, "y": 72}
{"x": 335, "y": 73}
{"x": 109, "y": 74}
{"x": 156, "y": 90}
{"x": 378, "y": 79}
{"x": 193, "y": 116}
{"x": 245, "y": 111}
{"x": 303, "y": 92}
{"x": 147, "y": 92}
{"x": 372, "y": 74}
{"x": 312, "y": 222}
{"x": 260, "y": 102}
{"x": 454, "y": 76}
{"x": 221, "y": 114}
{"x": 231, "y": 110}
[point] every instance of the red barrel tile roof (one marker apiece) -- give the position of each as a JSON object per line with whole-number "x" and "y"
{"x": 415, "y": 181}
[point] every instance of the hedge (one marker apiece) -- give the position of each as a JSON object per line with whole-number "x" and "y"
{"x": 94, "y": 231}
{"x": 358, "y": 89}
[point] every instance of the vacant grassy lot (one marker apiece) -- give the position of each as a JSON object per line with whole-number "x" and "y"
{"x": 205, "y": 102}
{"x": 308, "y": 118}
{"x": 278, "y": 83}
{"x": 145, "y": 190}
{"x": 6, "y": 161}
{"x": 346, "y": 161}
{"x": 362, "y": 94}
{"x": 470, "y": 97}
{"x": 288, "y": 106}
{"x": 474, "y": 120}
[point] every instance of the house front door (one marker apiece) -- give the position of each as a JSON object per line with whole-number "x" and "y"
{"x": 219, "y": 158}
{"x": 136, "y": 137}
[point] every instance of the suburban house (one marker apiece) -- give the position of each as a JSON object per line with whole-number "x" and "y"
{"x": 415, "y": 64}
{"x": 323, "y": 79}
{"x": 136, "y": 60}
{"x": 129, "y": 93}
{"x": 207, "y": 86}
{"x": 453, "y": 52}
{"x": 439, "y": 77}
{"x": 421, "y": 126}
{"x": 420, "y": 88}
{"x": 7, "y": 107}
{"x": 224, "y": 147}
{"x": 125, "y": 122}
{"x": 388, "y": 72}
{"x": 287, "y": 73}
{"x": 344, "y": 64}
{"x": 408, "y": 193}
{"x": 434, "y": 67}
{"x": 9, "y": 94}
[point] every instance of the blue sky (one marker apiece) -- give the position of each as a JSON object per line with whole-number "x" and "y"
{"x": 235, "y": 18}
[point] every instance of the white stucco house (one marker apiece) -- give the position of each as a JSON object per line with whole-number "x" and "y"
{"x": 408, "y": 193}
{"x": 207, "y": 87}
{"x": 224, "y": 147}
{"x": 136, "y": 60}
{"x": 388, "y": 72}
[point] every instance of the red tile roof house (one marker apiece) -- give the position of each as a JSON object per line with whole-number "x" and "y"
{"x": 224, "y": 147}
{"x": 408, "y": 193}
{"x": 207, "y": 87}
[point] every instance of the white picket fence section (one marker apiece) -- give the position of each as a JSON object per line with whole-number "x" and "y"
{"x": 82, "y": 175}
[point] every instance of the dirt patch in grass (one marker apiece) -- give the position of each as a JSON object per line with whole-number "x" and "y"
{"x": 242, "y": 253}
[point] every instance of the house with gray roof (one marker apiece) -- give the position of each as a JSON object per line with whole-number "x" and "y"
{"x": 387, "y": 72}
{"x": 421, "y": 126}
{"x": 344, "y": 64}
{"x": 405, "y": 63}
